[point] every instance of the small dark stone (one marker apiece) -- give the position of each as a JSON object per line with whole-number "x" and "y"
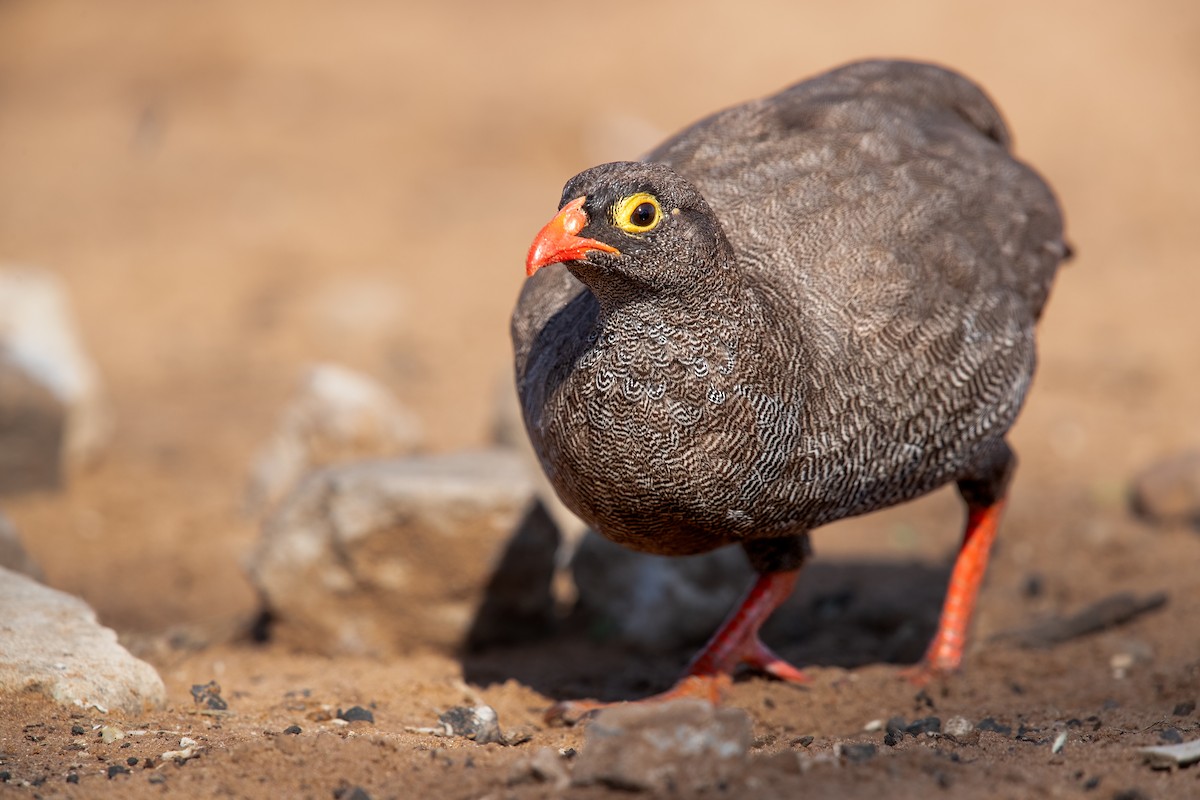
{"x": 1129, "y": 794}
{"x": 78, "y": 730}
{"x": 117, "y": 769}
{"x": 768, "y": 702}
{"x": 893, "y": 738}
{"x": 73, "y": 777}
{"x": 990, "y": 724}
{"x": 896, "y": 725}
{"x": 208, "y": 695}
{"x": 1016, "y": 688}
{"x": 1096, "y": 722}
{"x": 293, "y": 730}
{"x": 356, "y": 714}
{"x": 1183, "y": 709}
{"x": 132, "y": 761}
{"x": 5, "y": 776}
{"x": 803, "y": 741}
{"x": 1033, "y": 585}
{"x": 1091, "y": 783}
{"x": 922, "y": 698}
{"x": 944, "y": 781}
{"x": 350, "y": 793}
{"x": 157, "y": 777}
{"x": 858, "y": 752}
{"x": 926, "y": 725}
{"x": 1170, "y": 736}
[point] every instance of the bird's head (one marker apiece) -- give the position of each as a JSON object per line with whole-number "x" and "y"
{"x": 632, "y": 227}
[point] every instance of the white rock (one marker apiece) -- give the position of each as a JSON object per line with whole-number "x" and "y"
{"x": 381, "y": 556}
{"x": 12, "y": 553}
{"x": 37, "y": 333}
{"x": 50, "y": 642}
{"x": 337, "y": 415}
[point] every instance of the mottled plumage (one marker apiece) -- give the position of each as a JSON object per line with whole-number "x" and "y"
{"x": 839, "y": 317}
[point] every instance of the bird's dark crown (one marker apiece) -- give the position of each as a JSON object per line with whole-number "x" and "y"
{"x": 684, "y": 240}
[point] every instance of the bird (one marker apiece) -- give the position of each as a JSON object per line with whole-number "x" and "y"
{"x": 804, "y": 308}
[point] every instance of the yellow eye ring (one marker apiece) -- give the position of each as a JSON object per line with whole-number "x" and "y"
{"x": 637, "y": 213}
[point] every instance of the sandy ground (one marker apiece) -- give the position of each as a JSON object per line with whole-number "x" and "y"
{"x": 232, "y": 191}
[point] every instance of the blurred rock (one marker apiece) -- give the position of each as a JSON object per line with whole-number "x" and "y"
{"x": 337, "y": 415}
{"x": 50, "y": 642}
{"x": 52, "y": 411}
{"x": 12, "y": 552}
{"x": 682, "y": 746}
{"x": 1168, "y": 492}
{"x": 381, "y": 556}
{"x": 658, "y": 602}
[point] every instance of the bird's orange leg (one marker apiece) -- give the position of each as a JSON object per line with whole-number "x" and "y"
{"x": 736, "y": 642}
{"x": 946, "y": 650}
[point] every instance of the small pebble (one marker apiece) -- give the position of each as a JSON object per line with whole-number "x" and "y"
{"x": 1059, "y": 742}
{"x": 926, "y": 725}
{"x": 78, "y": 730}
{"x": 958, "y": 727}
{"x": 73, "y": 777}
{"x": 117, "y": 769}
{"x": 356, "y": 714}
{"x": 108, "y": 734}
{"x": 1183, "y": 709}
{"x": 293, "y": 730}
{"x": 208, "y": 695}
{"x": 1170, "y": 736}
{"x": 804, "y": 741}
{"x": 873, "y": 725}
{"x": 157, "y": 777}
{"x": 132, "y": 761}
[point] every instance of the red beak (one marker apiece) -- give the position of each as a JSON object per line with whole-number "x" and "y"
{"x": 558, "y": 240}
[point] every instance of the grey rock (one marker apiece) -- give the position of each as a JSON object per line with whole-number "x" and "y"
{"x": 682, "y": 746}
{"x": 12, "y": 553}
{"x": 658, "y": 602}
{"x": 336, "y": 416}
{"x": 33, "y": 423}
{"x": 1168, "y": 491}
{"x": 382, "y": 556}
{"x": 546, "y": 765}
{"x": 50, "y": 642}
{"x": 38, "y": 338}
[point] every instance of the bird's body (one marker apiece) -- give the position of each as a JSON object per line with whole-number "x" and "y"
{"x": 833, "y": 313}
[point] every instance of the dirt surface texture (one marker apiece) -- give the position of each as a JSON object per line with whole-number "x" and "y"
{"x": 234, "y": 191}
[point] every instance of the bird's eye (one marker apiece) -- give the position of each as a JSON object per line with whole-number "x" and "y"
{"x": 637, "y": 213}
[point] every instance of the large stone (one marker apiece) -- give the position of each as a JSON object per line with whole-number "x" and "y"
{"x": 658, "y": 603}
{"x": 65, "y": 419}
{"x": 13, "y": 555}
{"x": 382, "y": 556}
{"x": 336, "y": 416}
{"x": 682, "y": 746}
{"x": 50, "y": 642}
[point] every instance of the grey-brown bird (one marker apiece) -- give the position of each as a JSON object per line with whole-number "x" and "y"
{"x": 804, "y": 308}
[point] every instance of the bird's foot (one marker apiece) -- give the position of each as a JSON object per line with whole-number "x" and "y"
{"x": 704, "y": 680}
{"x": 942, "y": 659}
{"x": 704, "y": 687}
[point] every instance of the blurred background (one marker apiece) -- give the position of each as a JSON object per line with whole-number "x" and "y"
{"x": 231, "y": 191}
